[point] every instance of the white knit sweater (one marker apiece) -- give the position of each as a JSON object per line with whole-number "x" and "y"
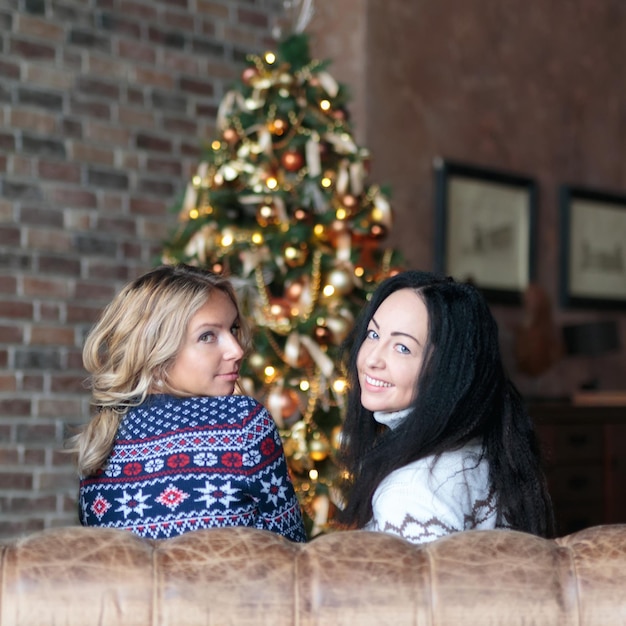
{"x": 430, "y": 498}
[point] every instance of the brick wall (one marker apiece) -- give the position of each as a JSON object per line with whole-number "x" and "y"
{"x": 104, "y": 105}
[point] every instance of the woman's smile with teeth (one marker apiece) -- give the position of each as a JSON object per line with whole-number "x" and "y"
{"x": 376, "y": 382}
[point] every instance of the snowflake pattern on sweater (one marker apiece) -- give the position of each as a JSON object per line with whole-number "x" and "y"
{"x": 182, "y": 464}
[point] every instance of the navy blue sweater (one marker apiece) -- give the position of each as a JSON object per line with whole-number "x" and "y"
{"x": 181, "y": 464}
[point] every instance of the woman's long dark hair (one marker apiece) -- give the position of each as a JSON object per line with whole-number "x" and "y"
{"x": 462, "y": 393}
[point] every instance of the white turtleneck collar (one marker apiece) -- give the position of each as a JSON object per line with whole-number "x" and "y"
{"x": 391, "y": 419}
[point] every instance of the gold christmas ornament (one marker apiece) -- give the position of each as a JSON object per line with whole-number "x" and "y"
{"x": 340, "y": 326}
{"x": 278, "y": 126}
{"x": 267, "y": 215}
{"x": 341, "y": 279}
{"x": 295, "y": 254}
{"x": 318, "y": 447}
{"x": 256, "y": 362}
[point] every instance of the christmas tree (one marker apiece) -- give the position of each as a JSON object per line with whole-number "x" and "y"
{"x": 280, "y": 204}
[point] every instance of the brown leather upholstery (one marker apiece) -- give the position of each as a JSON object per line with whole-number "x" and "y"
{"x": 235, "y": 576}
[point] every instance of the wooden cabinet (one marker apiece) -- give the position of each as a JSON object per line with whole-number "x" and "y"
{"x": 585, "y": 452}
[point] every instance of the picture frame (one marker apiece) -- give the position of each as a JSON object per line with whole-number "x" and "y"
{"x": 485, "y": 228}
{"x": 592, "y": 248}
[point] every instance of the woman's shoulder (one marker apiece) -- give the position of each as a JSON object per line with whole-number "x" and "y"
{"x": 234, "y": 401}
{"x": 445, "y": 465}
{"x": 164, "y": 413}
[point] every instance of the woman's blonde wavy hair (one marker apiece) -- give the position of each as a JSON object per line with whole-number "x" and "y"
{"x": 129, "y": 350}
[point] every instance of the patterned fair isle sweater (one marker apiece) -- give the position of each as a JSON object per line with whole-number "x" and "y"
{"x": 430, "y": 498}
{"x": 182, "y": 464}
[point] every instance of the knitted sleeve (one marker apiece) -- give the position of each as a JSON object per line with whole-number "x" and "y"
{"x": 269, "y": 482}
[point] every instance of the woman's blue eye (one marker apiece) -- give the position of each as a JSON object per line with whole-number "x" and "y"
{"x": 208, "y": 337}
{"x": 403, "y": 349}
{"x": 372, "y": 334}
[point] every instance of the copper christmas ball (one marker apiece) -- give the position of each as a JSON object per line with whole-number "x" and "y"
{"x": 287, "y": 400}
{"x": 230, "y": 136}
{"x": 248, "y": 74}
{"x": 294, "y": 289}
{"x": 302, "y": 215}
{"x": 291, "y": 160}
{"x": 349, "y": 201}
{"x": 323, "y": 335}
{"x": 280, "y": 309}
{"x": 378, "y": 231}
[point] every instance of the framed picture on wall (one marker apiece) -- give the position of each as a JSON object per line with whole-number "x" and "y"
{"x": 592, "y": 248}
{"x": 485, "y": 228}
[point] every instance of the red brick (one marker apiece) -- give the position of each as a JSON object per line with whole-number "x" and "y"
{"x": 144, "y": 206}
{"x": 15, "y": 406}
{"x": 35, "y": 456}
{"x": 16, "y": 310}
{"x": 107, "y": 134}
{"x": 88, "y": 153}
{"x": 8, "y": 284}
{"x": 217, "y": 10}
{"x": 50, "y": 311}
{"x": 52, "y": 335}
{"x": 16, "y": 480}
{"x": 39, "y": 28}
{"x": 14, "y": 528}
{"x": 46, "y": 287}
{"x": 79, "y": 313}
{"x": 9, "y": 456}
{"x": 137, "y": 50}
{"x": 8, "y": 382}
{"x": 11, "y": 334}
{"x": 62, "y": 458}
{"x": 67, "y": 384}
{"x": 154, "y": 77}
{"x": 33, "y": 382}
{"x": 35, "y": 432}
{"x": 31, "y": 50}
{"x": 34, "y": 504}
{"x": 137, "y": 118}
{"x": 77, "y": 198}
{"x": 63, "y": 408}
{"x": 9, "y": 236}
{"x": 38, "y": 121}
{"x": 55, "y": 170}
{"x": 58, "y": 480}
{"x": 49, "y": 240}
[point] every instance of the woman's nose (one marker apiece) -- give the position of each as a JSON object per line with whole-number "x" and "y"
{"x": 375, "y": 358}
{"x": 233, "y": 350}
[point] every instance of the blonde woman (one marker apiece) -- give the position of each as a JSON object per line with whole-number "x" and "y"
{"x": 171, "y": 448}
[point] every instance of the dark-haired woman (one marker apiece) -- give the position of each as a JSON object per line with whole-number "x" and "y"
{"x": 437, "y": 439}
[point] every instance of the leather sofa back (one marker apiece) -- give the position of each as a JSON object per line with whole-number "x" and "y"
{"x": 240, "y": 576}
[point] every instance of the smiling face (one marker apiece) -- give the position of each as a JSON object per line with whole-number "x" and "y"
{"x": 390, "y": 358}
{"x": 209, "y": 359}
